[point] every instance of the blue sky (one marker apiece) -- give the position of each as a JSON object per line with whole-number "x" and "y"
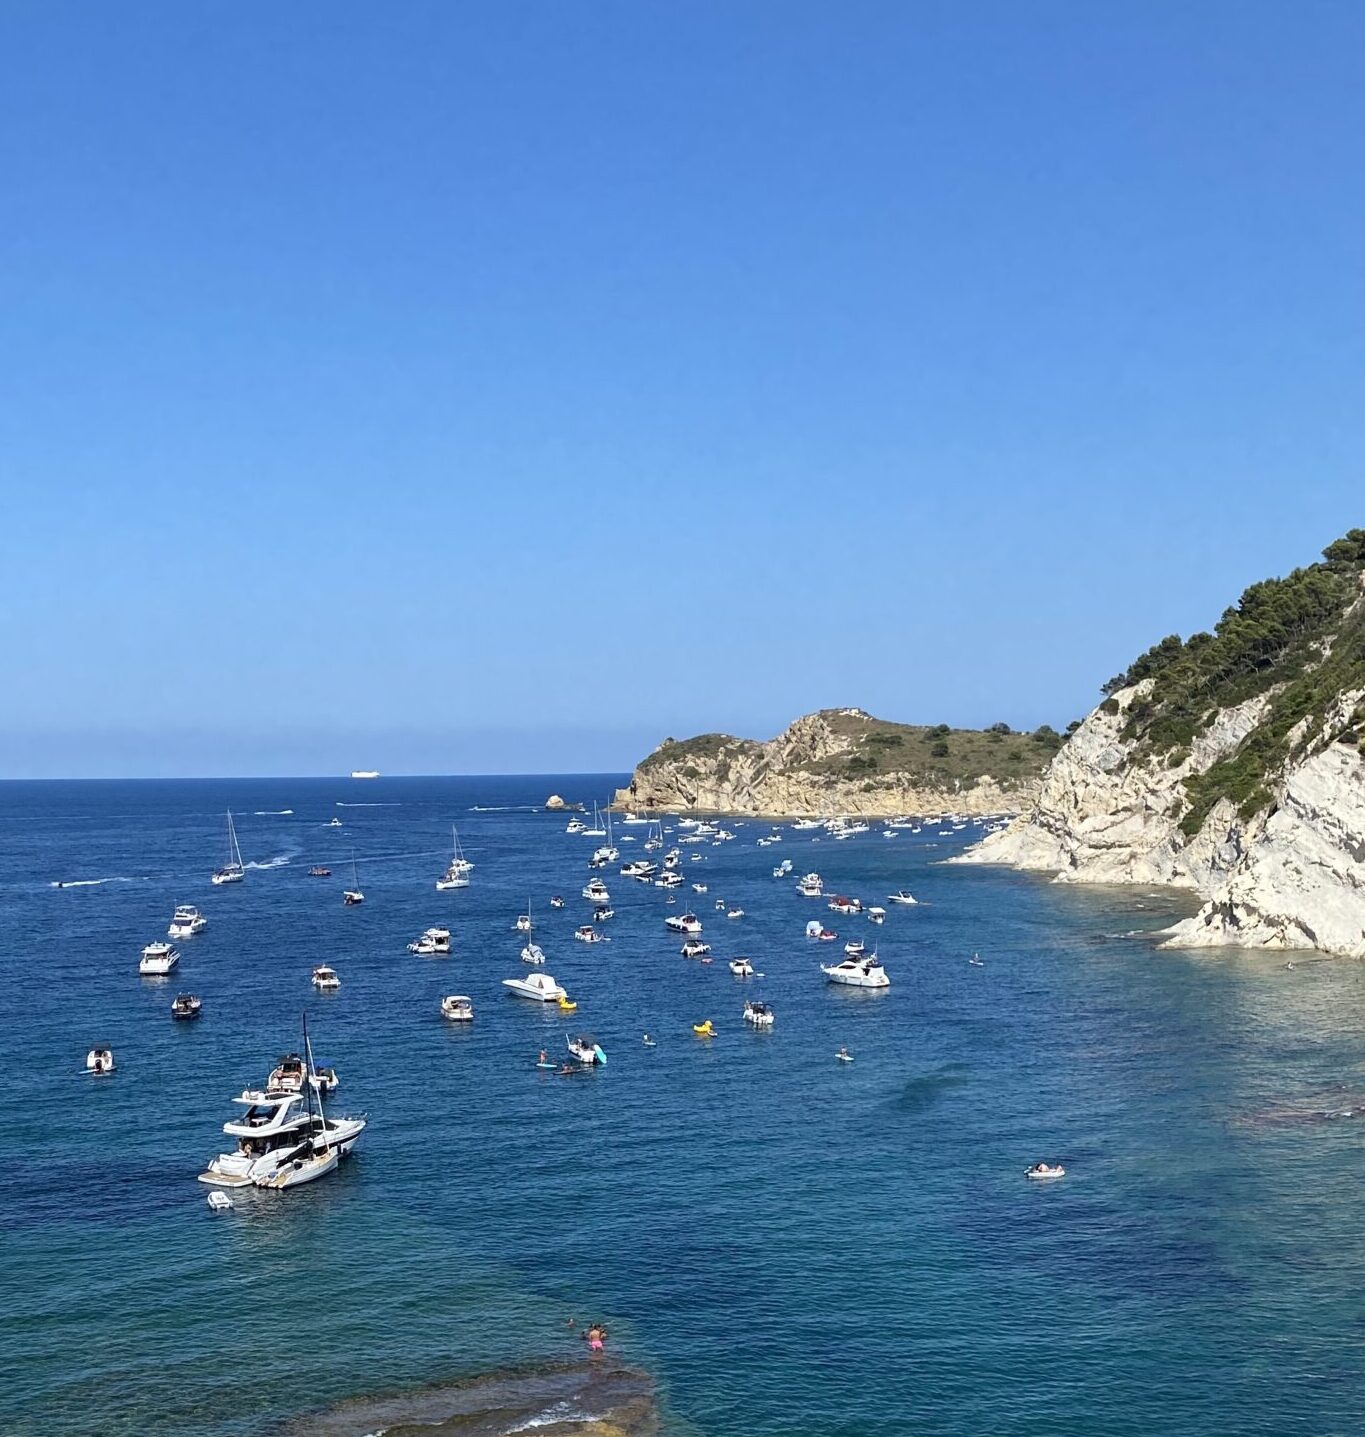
{"x": 494, "y": 387}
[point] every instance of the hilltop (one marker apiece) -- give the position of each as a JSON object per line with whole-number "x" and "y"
{"x": 846, "y": 761}
{"x": 1229, "y": 763}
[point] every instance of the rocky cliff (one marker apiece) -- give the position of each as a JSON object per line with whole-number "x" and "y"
{"x": 844, "y": 761}
{"x": 1229, "y": 764}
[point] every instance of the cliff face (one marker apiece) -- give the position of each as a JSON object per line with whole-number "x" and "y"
{"x": 841, "y": 761}
{"x": 1257, "y": 805}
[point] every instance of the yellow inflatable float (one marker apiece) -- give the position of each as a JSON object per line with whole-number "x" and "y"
{"x": 703, "y": 1030}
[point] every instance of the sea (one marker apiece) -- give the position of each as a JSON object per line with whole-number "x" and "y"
{"x": 788, "y": 1245}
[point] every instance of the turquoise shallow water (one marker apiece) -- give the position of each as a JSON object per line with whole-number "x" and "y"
{"x": 792, "y": 1246}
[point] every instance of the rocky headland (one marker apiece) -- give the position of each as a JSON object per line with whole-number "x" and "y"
{"x": 1229, "y": 764}
{"x": 844, "y": 761}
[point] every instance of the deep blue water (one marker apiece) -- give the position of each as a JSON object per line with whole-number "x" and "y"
{"x": 792, "y": 1245}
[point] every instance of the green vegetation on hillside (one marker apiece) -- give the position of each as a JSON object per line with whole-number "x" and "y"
{"x": 1302, "y": 637}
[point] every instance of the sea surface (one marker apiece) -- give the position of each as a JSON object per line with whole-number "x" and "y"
{"x": 788, "y": 1244}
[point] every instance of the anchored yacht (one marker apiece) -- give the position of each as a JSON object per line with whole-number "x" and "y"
{"x": 864, "y": 972}
{"x": 186, "y": 922}
{"x": 433, "y": 943}
{"x": 157, "y": 960}
{"x": 538, "y": 986}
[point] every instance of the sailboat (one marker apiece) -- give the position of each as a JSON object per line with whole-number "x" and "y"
{"x": 315, "y": 1156}
{"x": 232, "y": 871}
{"x": 353, "y": 895}
{"x": 596, "y": 831}
{"x": 457, "y": 873}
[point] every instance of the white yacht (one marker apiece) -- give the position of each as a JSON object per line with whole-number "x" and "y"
{"x": 434, "y": 942}
{"x": 595, "y": 891}
{"x": 186, "y": 922}
{"x": 669, "y": 879}
{"x": 586, "y": 933}
{"x": 538, "y": 986}
{"x": 99, "y": 1061}
{"x": 639, "y": 868}
{"x": 186, "y": 1006}
{"x": 325, "y": 979}
{"x": 683, "y": 923}
{"x": 811, "y": 886}
{"x": 233, "y": 870}
{"x": 840, "y": 904}
{"x": 864, "y": 972}
{"x": 741, "y": 968}
{"x": 856, "y": 948}
{"x": 695, "y": 948}
{"x": 575, "y": 825}
{"x": 734, "y": 913}
{"x": 275, "y": 1133}
{"x": 759, "y": 1015}
{"x": 157, "y": 960}
{"x": 901, "y": 896}
{"x": 458, "y": 869}
{"x": 457, "y": 1008}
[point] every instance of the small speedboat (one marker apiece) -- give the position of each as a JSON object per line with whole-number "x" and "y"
{"x": 316, "y": 871}
{"x": 695, "y": 948}
{"x": 1041, "y": 1171}
{"x": 185, "y": 1005}
{"x": 99, "y": 1062}
{"x": 533, "y": 953}
{"x": 759, "y": 1015}
{"x": 601, "y": 915}
{"x": 586, "y": 933}
{"x": 683, "y": 923}
{"x": 523, "y": 923}
{"x": 698, "y": 888}
{"x": 587, "y": 1050}
{"x": 325, "y": 979}
{"x": 537, "y": 986}
{"x": 975, "y": 961}
{"x": 840, "y": 904}
{"x": 556, "y": 902}
{"x": 735, "y": 913}
{"x": 876, "y": 915}
{"x": 741, "y": 968}
{"x": 219, "y": 1201}
{"x": 901, "y": 896}
{"x": 458, "y": 1008}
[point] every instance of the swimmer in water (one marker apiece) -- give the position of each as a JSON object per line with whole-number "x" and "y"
{"x": 596, "y": 1337}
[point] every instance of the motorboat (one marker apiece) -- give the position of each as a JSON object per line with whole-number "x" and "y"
{"x": 325, "y": 979}
{"x": 741, "y": 968}
{"x": 595, "y": 891}
{"x": 865, "y": 972}
{"x": 639, "y": 868}
{"x": 811, "y": 886}
{"x": 586, "y": 933}
{"x": 608, "y": 853}
{"x": 274, "y": 1131}
{"x": 316, "y": 871}
{"x": 634, "y": 819}
{"x": 669, "y": 879}
{"x": 185, "y": 1006}
{"x": 575, "y": 825}
{"x": 840, "y": 904}
{"x": 587, "y": 1051}
{"x": 975, "y": 961}
{"x": 288, "y": 1074}
{"x": 457, "y": 1008}
{"x": 803, "y": 825}
{"x": 759, "y": 1015}
{"x": 434, "y": 942}
{"x": 99, "y": 1062}
{"x": 524, "y": 923}
{"x": 698, "y": 888}
{"x": 734, "y": 913}
{"x": 901, "y": 896}
{"x": 233, "y": 869}
{"x": 783, "y": 868}
{"x": 186, "y": 922}
{"x": 333, "y": 823}
{"x": 533, "y": 953}
{"x": 219, "y": 1201}
{"x": 1040, "y": 1171}
{"x": 603, "y": 915}
{"x": 720, "y": 905}
{"x": 157, "y": 960}
{"x": 876, "y": 915}
{"x": 817, "y": 930}
{"x": 694, "y": 948}
{"x": 538, "y": 986}
{"x": 556, "y": 902}
{"x": 458, "y": 869}
{"x": 856, "y": 948}
{"x": 683, "y": 923}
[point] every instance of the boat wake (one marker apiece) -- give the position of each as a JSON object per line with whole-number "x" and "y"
{"x": 90, "y": 882}
{"x": 280, "y": 860}
{"x": 341, "y": 804}
{"x": 507, "y": 808}
{"x": 272, "y": 812}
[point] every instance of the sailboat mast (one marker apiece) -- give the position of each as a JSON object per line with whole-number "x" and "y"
{"x": 314, "y": 1088}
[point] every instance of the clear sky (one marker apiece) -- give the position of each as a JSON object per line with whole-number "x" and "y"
{"x": 455, "y": 386}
